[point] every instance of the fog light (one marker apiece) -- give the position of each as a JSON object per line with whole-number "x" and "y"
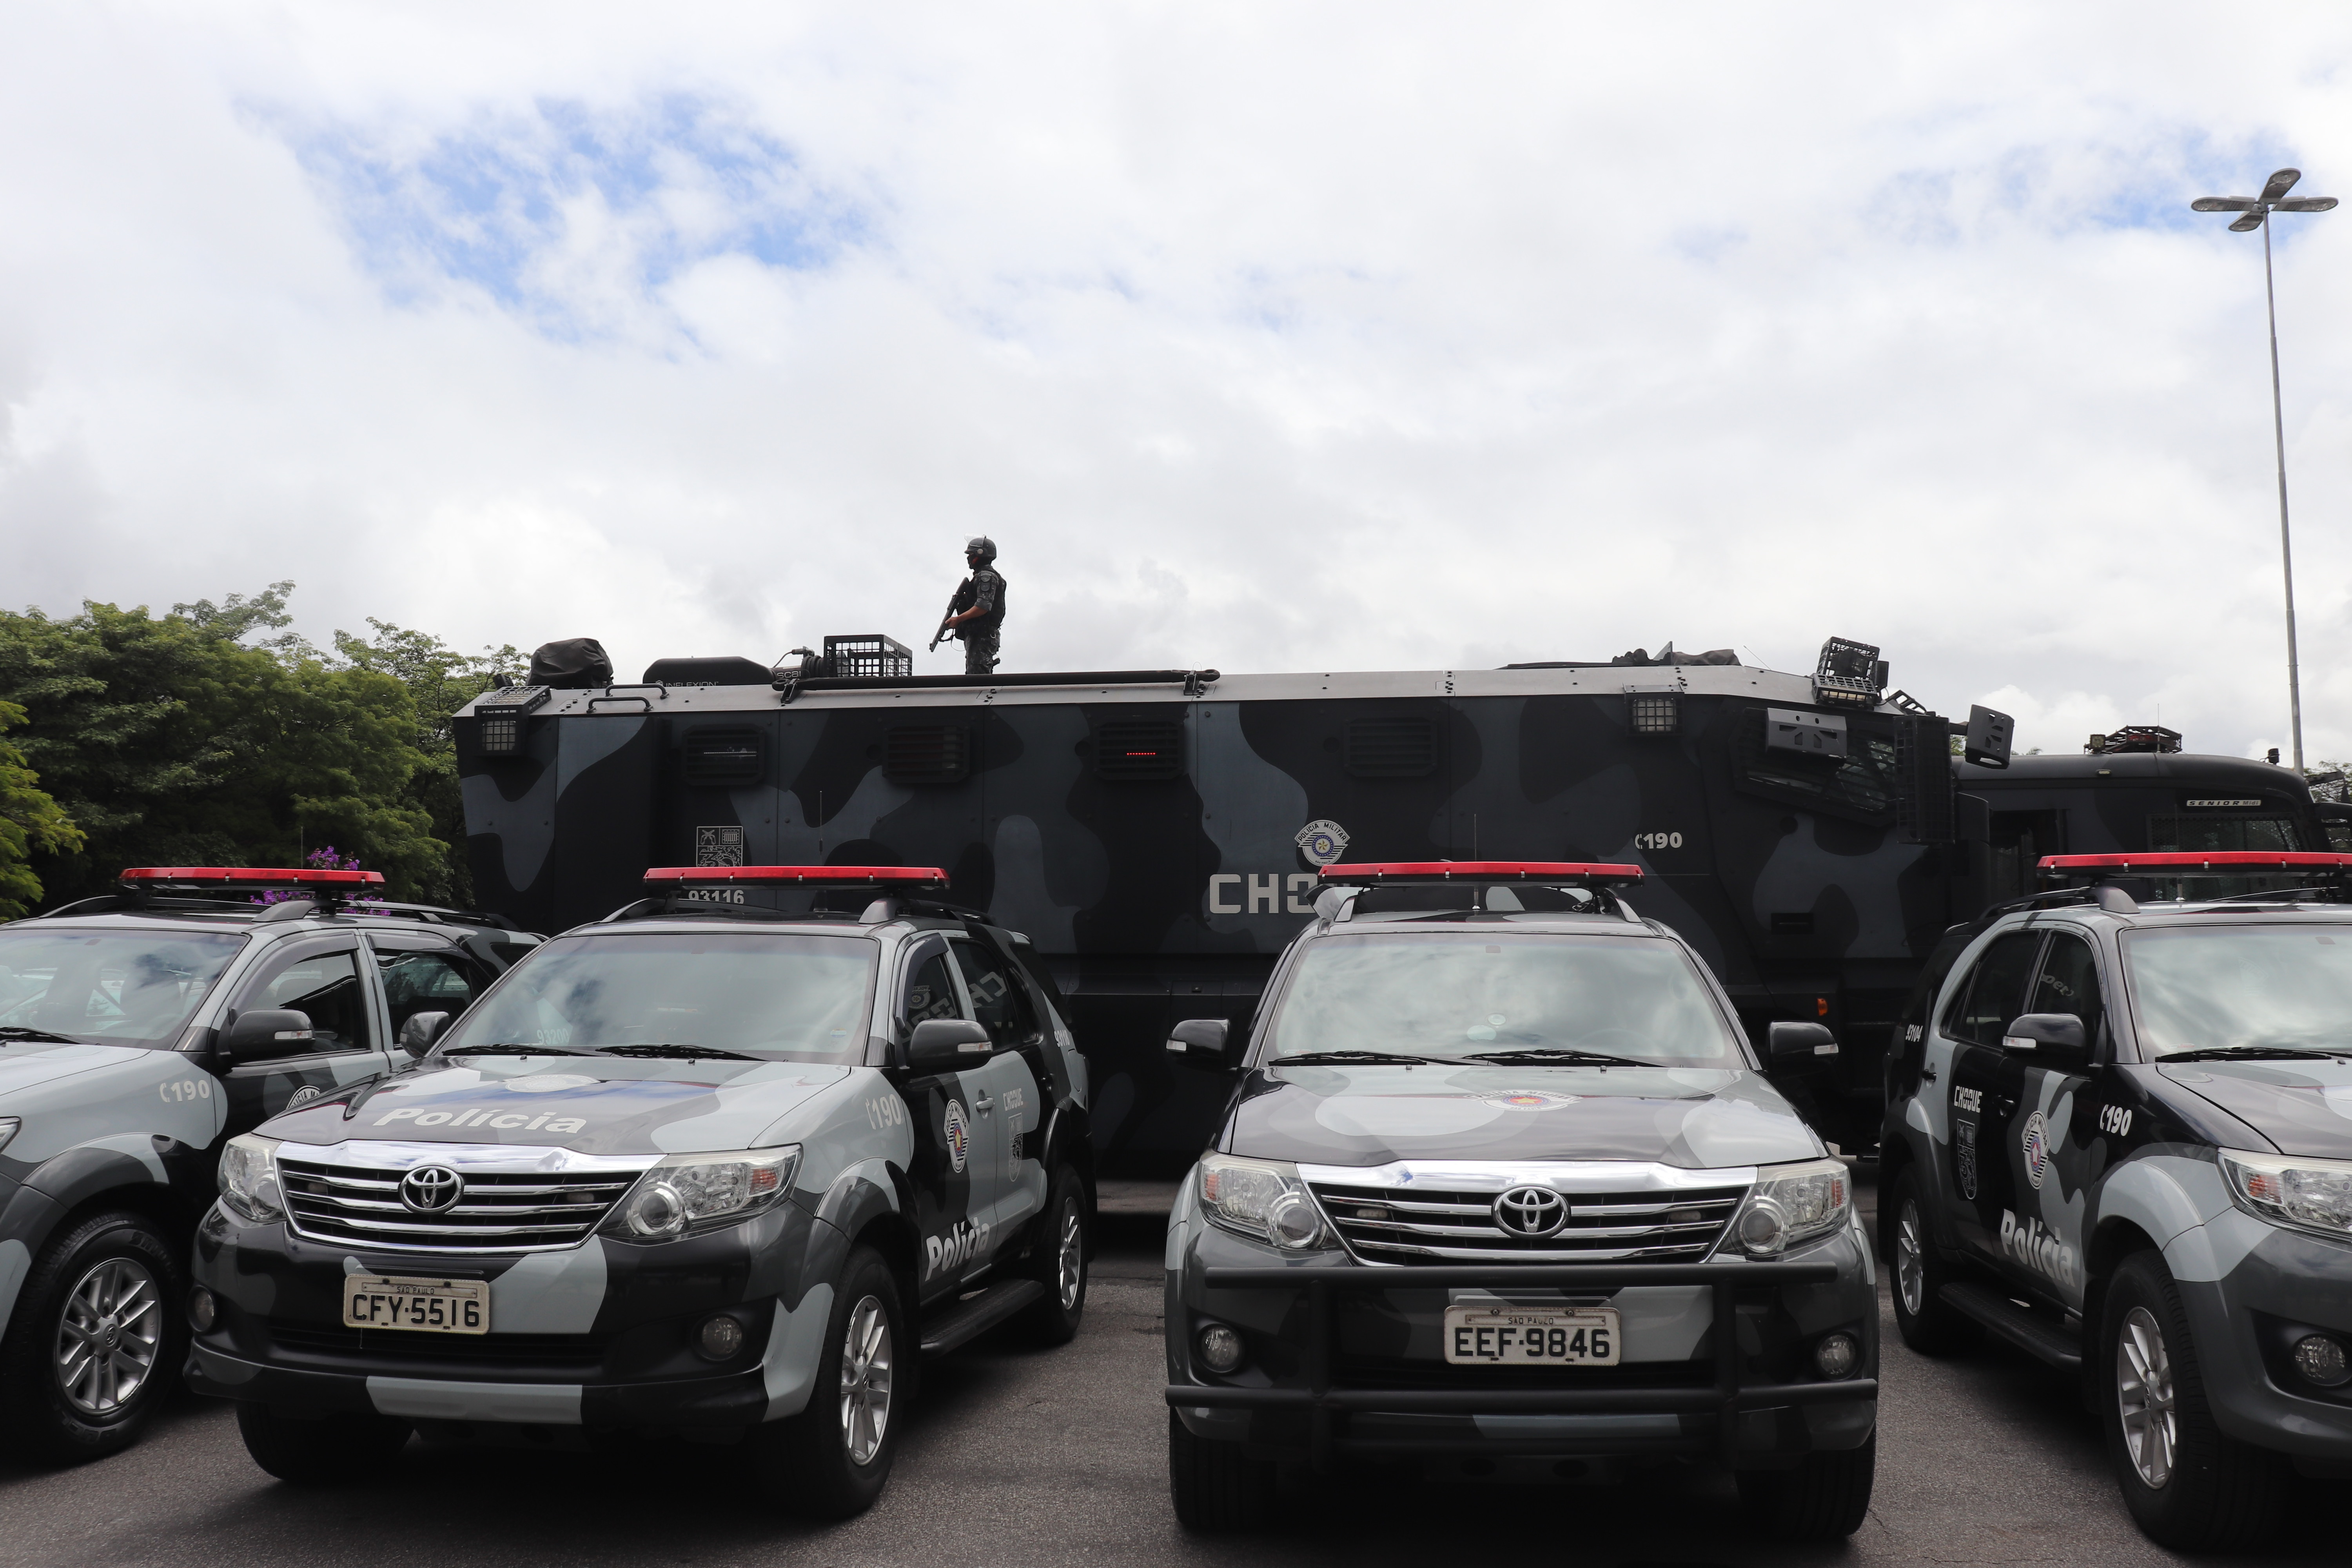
{"x": 1836, "y": 1356}
{"x": 1221, "y": 1347}
{"x": 202, "y": 1311}
{"x": 2322, "y": 1361}
{"x": 720, "y": 1337}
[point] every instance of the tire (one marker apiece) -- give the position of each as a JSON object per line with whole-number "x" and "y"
{"x": 832, "y": 1459}
{"x": 1060, "y": 1263}
{"x": 1215, "y": 1486}
{"x": 95, "y": 1342}
{"x": 1919, "y": 1274}
{"x": 1825, "y": 1497}
{"x": 2190, "y": 1487}
{"x": 324, "y": 1450}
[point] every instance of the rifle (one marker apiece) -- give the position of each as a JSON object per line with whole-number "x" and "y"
{"x": 961, "y": 600}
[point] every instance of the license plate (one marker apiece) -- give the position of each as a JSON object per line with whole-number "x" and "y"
{"x": 429, "y": 1306}
{"x": 1481, "y": 1335}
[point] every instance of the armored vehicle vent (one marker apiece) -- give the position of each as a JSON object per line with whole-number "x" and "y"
{"x": 1653, "y": 712}
{"x": 497, "y": 1211}
{"x": 926, "y": 754}
{"x": 725, "y": 755}
{"x": 1411, "y": 1226}
{"x": 1391, "y": 748}
{"x": 1137, "y": 748}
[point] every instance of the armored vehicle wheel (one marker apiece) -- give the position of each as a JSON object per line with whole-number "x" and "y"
{"x": 321, "y": 1451}
{"x": 1825, "y": 1497}
{"x": 1060, "y": 1262}
{"x": 1215, "y": 1486}
{"x": 96, "y": 1341}
{"x": 831, "y": 1460}
{"x": 1927, "y": 1324}
{"x": 2188, "y": 1487}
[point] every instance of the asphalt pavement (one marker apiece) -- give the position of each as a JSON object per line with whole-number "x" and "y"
{"x": 1041, "y": 1457}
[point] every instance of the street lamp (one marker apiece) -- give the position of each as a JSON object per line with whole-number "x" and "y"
{"x": 2253, "y": 211}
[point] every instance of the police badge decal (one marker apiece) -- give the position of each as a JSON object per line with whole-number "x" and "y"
{"x": 1322, "y": 841}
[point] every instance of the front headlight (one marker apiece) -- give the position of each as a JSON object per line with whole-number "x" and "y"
{"x": 248, "y": 1178}
{"x": 2289, "y": 1190}
{"x": 699, "y": 1192}
{"x": 1791, "y": 1204}
{"x": 1263, "y": 1200}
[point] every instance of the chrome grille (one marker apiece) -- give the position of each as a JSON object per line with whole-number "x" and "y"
{"x": 1423, "y": 1225}
{"x": 499, "y": 1211}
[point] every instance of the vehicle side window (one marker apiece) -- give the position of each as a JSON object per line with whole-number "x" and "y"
{"x": 417, "y": 983}
{"x": 931, "y": 993}
{"x": 1001, "y": 1004}
{"x": 2069, "y": 982}
{"x": 1996, "y": 990}
{"x": 325, "y": 985}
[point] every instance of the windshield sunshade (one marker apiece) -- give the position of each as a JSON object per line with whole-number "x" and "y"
{"x": 1458, "y": 996}
{"x": 797, "y": 997}
{"x": 114, "y": 987}
{"x": 2204, "y": 988}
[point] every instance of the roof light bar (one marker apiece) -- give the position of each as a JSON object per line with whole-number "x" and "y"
{"x": 2191, "y": 862}
{"x": 804, "y": 876}
{"x": 1375, "y": 873}
{"x": 246, "y": 876}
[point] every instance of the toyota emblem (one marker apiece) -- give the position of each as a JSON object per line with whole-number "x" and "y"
{"x": 1530, "y": 1211}
{"x": 431, "y": 1189}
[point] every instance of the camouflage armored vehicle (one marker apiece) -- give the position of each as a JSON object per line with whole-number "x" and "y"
{"x": 1158, "y": 833}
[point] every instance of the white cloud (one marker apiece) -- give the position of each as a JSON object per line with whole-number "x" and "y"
{"x": 1302, "y": 337}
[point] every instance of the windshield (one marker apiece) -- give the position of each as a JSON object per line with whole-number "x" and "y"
{"x": 112, "y": 988}
{"x": 797, "y": 997}
{"x": 2207, "y": 987}
{"x": 1450, "y": 997}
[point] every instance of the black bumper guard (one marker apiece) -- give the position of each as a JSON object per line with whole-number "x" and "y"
{"x": 1728, "y": 1397}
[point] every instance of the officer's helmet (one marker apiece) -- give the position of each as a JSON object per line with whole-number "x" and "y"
{"x": 984, "y": 547}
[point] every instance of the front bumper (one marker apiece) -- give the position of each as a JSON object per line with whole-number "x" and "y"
{"x": 2282, "y": 1286}
{"x": 1334, "y": 1375}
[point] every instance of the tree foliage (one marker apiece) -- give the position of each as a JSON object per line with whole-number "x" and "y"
{"x": 30, "y": 823}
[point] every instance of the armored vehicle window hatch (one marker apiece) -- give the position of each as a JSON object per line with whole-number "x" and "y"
{"x": 1391, "y": 748}
{"x": 1139, "y": 750}
{"x": 718, "y": 754}
{"x": 926, "y": 754}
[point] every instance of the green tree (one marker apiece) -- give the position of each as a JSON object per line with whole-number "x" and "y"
{"x": 171, "y": 740}
{"x": 30, "y": 823}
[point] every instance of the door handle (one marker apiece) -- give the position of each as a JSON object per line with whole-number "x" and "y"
{"x": 1929, "y": 1073}
{"x": 983, "y": 1105}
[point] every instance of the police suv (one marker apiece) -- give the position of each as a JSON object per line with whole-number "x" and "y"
{"x": 2119, "y": 1136}
{"x": 137, "y": 1031}
{"x": 1504, "y": 1191}
{"x": 711, "y": 1168}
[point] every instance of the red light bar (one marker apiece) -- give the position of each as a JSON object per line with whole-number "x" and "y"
{"x": 1483, "y": 870}
{"x": 249, "y": 877}
{"x": 809, "y": 875}
{"x": 2180, "y": 862}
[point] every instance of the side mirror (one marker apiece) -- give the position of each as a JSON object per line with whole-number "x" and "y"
{"x": 1200, "y": 1043}
{"x": 2059, "y": 1034}
{"x": 943, "y": 1045}
{"x": 268, "y": 1032}
{"x": 417, "y": 1035}
{"x": 1798, "y": 1047}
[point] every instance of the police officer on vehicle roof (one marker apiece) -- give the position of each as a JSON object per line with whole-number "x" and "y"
{"x": 976, "y": 613}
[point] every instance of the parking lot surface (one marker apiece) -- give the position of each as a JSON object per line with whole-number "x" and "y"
{"x": 1038, "y": 1458}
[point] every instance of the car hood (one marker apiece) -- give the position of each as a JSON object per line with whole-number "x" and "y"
{"x": 593, "y": 1105}
{"x": 2303, "y": 1106}
{"x": 29, "y": 1064}
{"x": 1698, "y": 1118}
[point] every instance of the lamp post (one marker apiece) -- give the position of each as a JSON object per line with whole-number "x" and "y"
{"x": 2254, "y": 212}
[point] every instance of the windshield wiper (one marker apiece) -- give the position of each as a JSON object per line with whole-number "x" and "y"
{"x": 1361, "y": 1059}
{"x": 683, "y": 1053}
{"x": 17, "y": 1032}
{"x": 1557, "y": 1055}
{"x": 511, "y": 1048}
{"x": 2255, "y": 1054}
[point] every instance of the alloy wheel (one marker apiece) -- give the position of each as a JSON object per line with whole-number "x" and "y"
{"x": 2144, "y": 1392}
{"x": 865, "y": 1381}
{"x": 108, "y": 1337}
{"x": 1910, "y": 1260}
{"x": 1070, "y": 1267}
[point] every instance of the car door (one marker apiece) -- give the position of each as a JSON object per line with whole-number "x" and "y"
{"x": 1986, "y": 1082}
{"x": 1013, "y": 1105}
{"x": 953, "y": 1168}
{"x": 2061, "y": 1112}
{"x": 423, "y": 974}
{"x": 332, "y": 979}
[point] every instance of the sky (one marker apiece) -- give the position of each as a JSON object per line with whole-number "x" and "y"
{"x": 1287, "y": 337}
